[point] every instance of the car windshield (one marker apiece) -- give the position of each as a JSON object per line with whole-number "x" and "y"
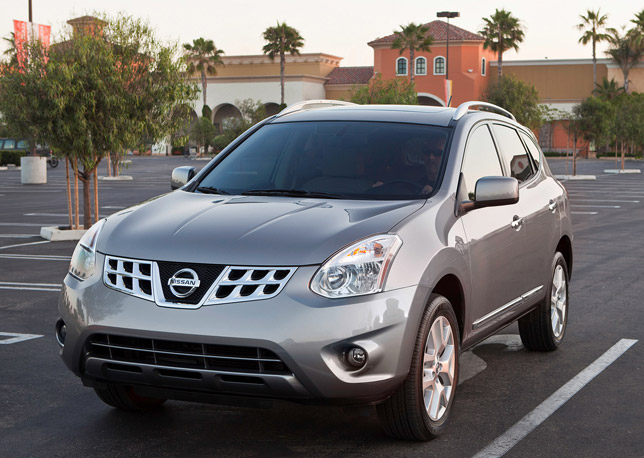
{"x": 348, "y": 160}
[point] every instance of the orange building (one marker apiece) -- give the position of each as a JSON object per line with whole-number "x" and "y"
{"x": 468, "y": 65}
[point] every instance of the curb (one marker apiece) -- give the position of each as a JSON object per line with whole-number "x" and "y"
{"x": 575, "y": 177}
{"x": 118, "y": 178}
{"x": 57, "y": 233}
{"x": 622, "y": 171}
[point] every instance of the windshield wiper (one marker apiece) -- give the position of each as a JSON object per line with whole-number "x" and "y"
{"x": 292, "y": 193}
{"x": 211, "y": 190}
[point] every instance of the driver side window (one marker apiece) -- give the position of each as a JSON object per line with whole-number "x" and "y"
{"x": 481, "y": 159}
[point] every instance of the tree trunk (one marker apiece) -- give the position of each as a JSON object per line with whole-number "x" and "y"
{"x": 411, "y": 65}
{"x": 626, "y": 81}
{"x": 282, "y": 64}
{"x": 623, "y": 155}
{"x": 574, "y": 153}
{"x": 85, "y": 178}
{"x": 594, "y": 66}
{"x": 204, "y": 84}
{"x": 76, "y": 216}
{"x": 69, "y": 194}
{"x": 96, "y": 193}
{"x": 500, "y": 53}
{"x": 109, "y": 164}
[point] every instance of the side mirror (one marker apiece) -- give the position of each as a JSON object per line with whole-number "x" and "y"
{"x": 181, "y": 175}
{"x": 493, "y": 192}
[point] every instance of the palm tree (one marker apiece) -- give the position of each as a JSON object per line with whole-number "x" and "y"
{"x": 282, "y": 39}
{"x": 608, "y": 90}
{"x": 415, "y": 38}
{"x": 626, "y": 50}
{"x": 203, "y": 56}
{"x": 11, "y": 53}
{"x": 502, "y": 32}
{"x": 639, "y": 20}
{"x": 591, "y": 24}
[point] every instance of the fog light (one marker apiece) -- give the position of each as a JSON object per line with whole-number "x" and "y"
{"x": 61, "y": 332}
{"x": 356, "y": 357}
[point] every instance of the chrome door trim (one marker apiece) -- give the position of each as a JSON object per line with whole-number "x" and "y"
{"x": 513, "y": 302}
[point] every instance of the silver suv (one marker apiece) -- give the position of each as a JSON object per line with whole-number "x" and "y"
{"x": 334, "y": 254}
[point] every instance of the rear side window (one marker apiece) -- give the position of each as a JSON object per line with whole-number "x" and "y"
{"x": 532, "y": 149}
{"x": 9, "y": 144}
{"x": 513, "y": 152}
{"x": 23, "y": 144}
{"x": 481, "y": 159}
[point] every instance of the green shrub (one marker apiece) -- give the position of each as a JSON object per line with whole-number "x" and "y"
{"x": 11, "y": 157}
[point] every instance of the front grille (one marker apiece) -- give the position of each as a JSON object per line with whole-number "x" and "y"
{"x": 129, "y": 276}
{"x": 185, "y": 355}
{"x": 250, "y": 283}
{"x": 207, "y": 275}
{"x": 218, "y": 284}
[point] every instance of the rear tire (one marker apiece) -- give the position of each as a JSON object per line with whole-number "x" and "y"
{"x": 420, "y": 408}
{"x": 124, "y": 398}
{"x": 544, "y": 328}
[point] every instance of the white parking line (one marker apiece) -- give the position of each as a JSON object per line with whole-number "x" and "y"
{"x": 24, "y": 244}
{"x": 583, "y": 213}
{"x": 30, "y": 288}
{"x": 578, "y": 199}
{"x": 17, "y": 337}
{"x": 29, "y": 224}
{"x": 18, "y": 236}
{"x": 527, "y": 424}
{"x": 597, "y": 206}
{"x": 35, "y": 257}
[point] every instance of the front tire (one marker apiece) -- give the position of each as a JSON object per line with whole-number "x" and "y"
{"x": 420, "y": 408}
{"x": 124, "y": 398}
{"x": 544, "y": 328}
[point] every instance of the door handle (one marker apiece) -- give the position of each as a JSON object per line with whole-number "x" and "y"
{"x": 516, "y": 222}
{"x": 552, "y": 206}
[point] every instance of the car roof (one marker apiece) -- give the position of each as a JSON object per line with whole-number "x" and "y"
{"x": 416, "y": 114}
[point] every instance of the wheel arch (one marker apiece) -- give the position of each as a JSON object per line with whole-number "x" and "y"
{"x": 565, "y": 248}
{"x": 450, "y": 287}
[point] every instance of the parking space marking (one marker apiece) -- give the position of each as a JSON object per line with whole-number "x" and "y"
{"x": 579, "y": 199}
{"x": 113, "y": 207}
{"x": 15, "y": 338}
{"x": 527, "y": 424}
{"x": 29, "y": 224}
{"x": 18, "y": 236}
{"x": 597, "y": 206}
{"x": 583, "y": 213}
{"x": 35, "y": 257}
{"x": 31, "y": 286}
{"x": 24, "y": 244}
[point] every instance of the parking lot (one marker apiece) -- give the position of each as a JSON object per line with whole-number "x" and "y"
{"x": 505, "y": 391}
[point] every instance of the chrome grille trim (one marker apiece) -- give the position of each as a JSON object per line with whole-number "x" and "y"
{"x": 135, "y": 283}
{"x": 243, "y": 283}
{"x": 234, "y": 284}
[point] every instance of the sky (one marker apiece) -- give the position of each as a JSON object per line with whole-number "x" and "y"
{"x": 339, "y": 28}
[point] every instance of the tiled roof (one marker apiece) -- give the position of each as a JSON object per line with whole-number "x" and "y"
{"x": 438, "y": 31}
{"x": 350, "y": 75}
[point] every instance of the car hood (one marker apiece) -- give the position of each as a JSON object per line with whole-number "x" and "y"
{"x": 246, "y": 230}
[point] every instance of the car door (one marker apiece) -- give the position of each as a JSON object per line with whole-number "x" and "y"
{"x": 496, "y": 238}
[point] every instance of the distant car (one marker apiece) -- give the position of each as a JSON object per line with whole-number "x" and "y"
{"x": 342, "y": 255}
{"x": 22, "y": 145}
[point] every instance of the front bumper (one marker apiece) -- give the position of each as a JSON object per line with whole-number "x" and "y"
{"x": 308, "y": 333}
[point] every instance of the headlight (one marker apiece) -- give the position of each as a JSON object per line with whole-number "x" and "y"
{"x": 84, "y": 257}
{"x": 357, "y": 270}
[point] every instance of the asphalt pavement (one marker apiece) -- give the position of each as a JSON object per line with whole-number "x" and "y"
{"x": 506, "y": 394}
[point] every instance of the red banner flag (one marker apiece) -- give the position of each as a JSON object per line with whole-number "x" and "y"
{"x": 20, "y": 38}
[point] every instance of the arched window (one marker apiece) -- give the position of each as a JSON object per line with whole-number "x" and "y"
{"x": 401, "y": 66}
{"x": 439, "y": 65}
{"x": 483, "y": 67}
{"x": 421, "y": 66}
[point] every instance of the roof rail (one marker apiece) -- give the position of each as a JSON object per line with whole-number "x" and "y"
{"x": 464, "y": 107}
{"x": 313, "y": 104}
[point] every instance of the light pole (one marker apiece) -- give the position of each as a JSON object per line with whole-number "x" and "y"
{"x": 448, "y": 15}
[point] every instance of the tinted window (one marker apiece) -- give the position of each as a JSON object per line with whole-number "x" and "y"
{"x": 9, "y": 144}
{"x": 22, "y": 144}
{"x": 361, "y": 160}
{"x": 481, "y": 159}
{"x": 513, "y": 152}
{"x": 532, "y": 148}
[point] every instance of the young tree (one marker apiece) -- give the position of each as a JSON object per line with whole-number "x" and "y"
{"x": 282, "y": 39}
{"x": 398, "y": 91}
{"x": 502, "y": 32}
{"x": 626, "y": 50}
{"x": 591, "y": 24}
{"x": 412, "y": 37}
{"x": 519, "y": 98}
{"x": 203, "y": 57}
{"x": 596, "y": 120}
{"x": 203, "y": 133}
{"x": 608, "y": 90}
